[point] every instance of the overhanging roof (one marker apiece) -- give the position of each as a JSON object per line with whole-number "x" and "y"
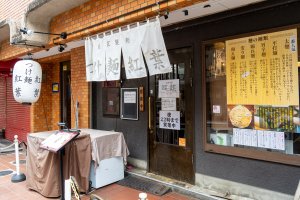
{"x": 7, "y": 27}
{"x": 35, "y": 14}
{"x": 38, "y": 16}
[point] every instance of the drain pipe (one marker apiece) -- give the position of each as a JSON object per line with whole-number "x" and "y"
{"x": 18, "y": 177}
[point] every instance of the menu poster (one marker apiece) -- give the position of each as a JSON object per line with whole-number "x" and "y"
{"x": 275, "y": 118}
{"x": 254, "y": 139}
{"x": 262, "y": 69}
{"x": 258, "y": 138}
{"x": 235, "y": 136}
{"x": 58, "y": 140}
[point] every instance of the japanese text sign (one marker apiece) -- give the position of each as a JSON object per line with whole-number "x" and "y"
{"x": 262, "y": 69}
{"x": 27, "y": 78}
{"x": 168, "y": 103}
{"x": 168, "y": 88}
{"x": 130, "y": 97}
{"x": 169, "y": 120}
{"x": 103, "y": 55}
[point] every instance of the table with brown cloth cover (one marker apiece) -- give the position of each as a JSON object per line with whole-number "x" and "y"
{"x": 43, "y": 166}
{"x": 107, "y": 144}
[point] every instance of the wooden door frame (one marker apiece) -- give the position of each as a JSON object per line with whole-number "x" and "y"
{"x": 63, "y": 92}
{"x": 151, "y": 133}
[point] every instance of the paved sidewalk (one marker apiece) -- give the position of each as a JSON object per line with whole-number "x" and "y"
{"x": 18, "y": 191}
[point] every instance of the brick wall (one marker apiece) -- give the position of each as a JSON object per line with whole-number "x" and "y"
{"x": 13, "y": 9}
{"x": 91, "y": 13}
{"x": 82, "y": 16}
{"x": 80, "y": 88}
{"x": 41, "y": 111}
{"x": 96, "y": 11}
{"x": 49, "y": 103}
{"x": 45, "y": 113}
{"x": 8, "y": 51}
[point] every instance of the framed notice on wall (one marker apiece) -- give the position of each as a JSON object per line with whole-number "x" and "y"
{"x": 111, "y": 101}
{"x": 129, "y": 103}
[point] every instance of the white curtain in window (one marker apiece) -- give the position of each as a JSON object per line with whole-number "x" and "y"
{"x": 132, "y": 53}
{"x": 154, "y": 49}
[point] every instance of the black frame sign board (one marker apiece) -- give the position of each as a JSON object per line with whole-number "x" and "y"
{"x": 129, "y": 103}
{"x": 58, "y": 140}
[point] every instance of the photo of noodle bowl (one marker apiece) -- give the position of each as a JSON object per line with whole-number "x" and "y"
{"x": 240, "y": 116}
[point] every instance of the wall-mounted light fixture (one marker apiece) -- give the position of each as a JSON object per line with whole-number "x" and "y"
{"x": 207, "y": 6}
{"x": 62, "y": 47}
{"x": 29, "y": 32}
{"x": 186, "y": 12}
{"x": 166, "y": 15}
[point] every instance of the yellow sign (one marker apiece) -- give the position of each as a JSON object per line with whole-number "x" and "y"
{"x": 263, "y": 69}
{"x": 182, "y": 142}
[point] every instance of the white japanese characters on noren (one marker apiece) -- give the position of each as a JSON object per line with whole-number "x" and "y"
{"x": 103, "y": 54}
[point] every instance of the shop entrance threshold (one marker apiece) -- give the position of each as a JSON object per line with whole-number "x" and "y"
{"x": 178, "y": 186}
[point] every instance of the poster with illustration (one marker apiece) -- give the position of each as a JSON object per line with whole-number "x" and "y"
{"x": 240, "y": 116}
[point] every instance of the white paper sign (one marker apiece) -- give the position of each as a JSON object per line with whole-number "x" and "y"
{"x": 260, "y": 139}
{"x": 248, "y": 137}
{"x": 254, "y": 138}
{"x": 267, "y": 139}
{"x": 216, "y": 109}
{"x": 272, "y": 136}
{"x": 129, "y": 97}
{"x": 280, "y": 142}
{"x": 235, "y": 136}
{"x": 168, "y": 88}
{"x": 169, "y": 120}
{"x": 168, "y": 104}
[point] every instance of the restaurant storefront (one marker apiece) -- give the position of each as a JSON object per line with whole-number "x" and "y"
{"x": 235, "y": 112}
{"x": 239, "y": 101}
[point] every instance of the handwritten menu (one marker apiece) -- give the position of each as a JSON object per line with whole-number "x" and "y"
{"x": 262, "y": 69}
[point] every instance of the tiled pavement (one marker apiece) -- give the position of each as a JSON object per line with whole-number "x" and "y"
{"x": 18, "y": 191}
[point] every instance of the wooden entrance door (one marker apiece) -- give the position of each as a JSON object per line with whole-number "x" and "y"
{"x": 171, "y": 151}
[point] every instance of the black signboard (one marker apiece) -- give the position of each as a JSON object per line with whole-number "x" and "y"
{"x": 129, "y": 103}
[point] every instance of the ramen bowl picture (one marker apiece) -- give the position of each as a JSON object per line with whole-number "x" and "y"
{"x": 240, "y": 116}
